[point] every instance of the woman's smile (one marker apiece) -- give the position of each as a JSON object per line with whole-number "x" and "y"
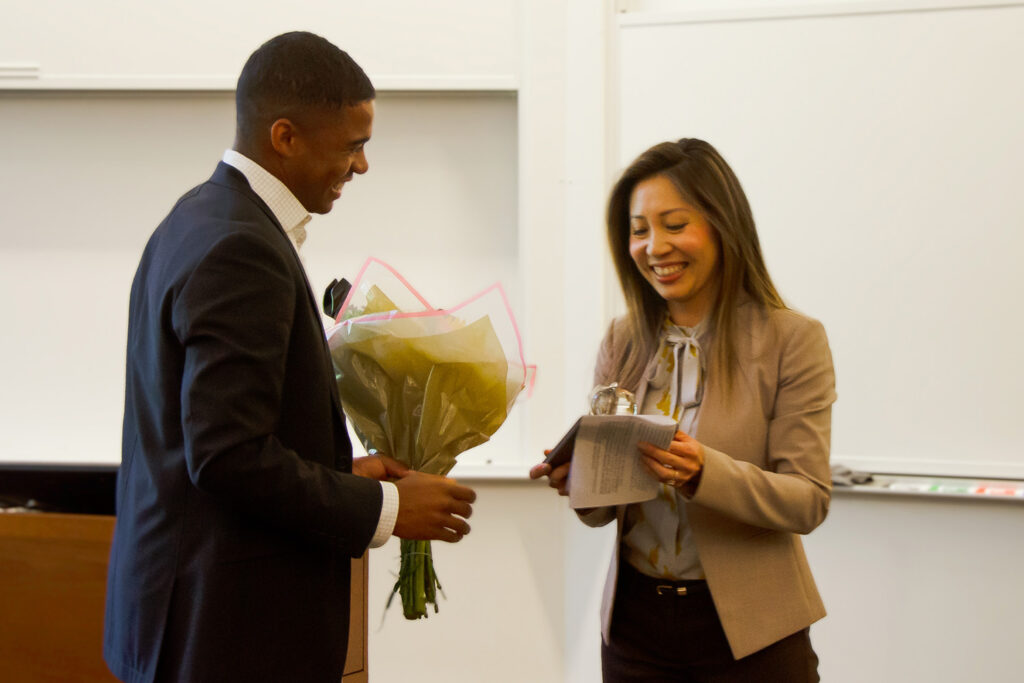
{"x": 669, "y": 272}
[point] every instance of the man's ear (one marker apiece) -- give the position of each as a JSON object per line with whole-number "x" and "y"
{"x": 284, "y": 138}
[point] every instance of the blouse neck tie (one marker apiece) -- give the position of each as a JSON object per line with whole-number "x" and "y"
{"x": 687, "y": 390}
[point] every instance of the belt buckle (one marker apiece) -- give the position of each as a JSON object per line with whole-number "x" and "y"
{"x": 662, "y": 589}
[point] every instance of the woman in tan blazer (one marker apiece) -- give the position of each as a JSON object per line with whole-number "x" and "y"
{"x": 709, "y": 581}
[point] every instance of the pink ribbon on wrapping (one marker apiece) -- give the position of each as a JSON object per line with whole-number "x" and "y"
{"x": 529, "y": 371}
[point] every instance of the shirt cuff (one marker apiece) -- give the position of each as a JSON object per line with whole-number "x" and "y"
{"x": 388, "y": 514}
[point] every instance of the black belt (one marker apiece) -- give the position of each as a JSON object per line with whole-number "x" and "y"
{"x": 666, "y": 587}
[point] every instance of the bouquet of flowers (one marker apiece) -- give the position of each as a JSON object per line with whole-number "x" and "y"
{"x": 423, "y": 385}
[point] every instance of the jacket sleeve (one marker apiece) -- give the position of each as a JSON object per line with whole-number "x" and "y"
{"x": 793, "y": 492}
{"x": 234, "y": 316}
{"x": 603, "y": 369}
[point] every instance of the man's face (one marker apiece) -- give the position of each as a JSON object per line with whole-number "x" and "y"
{"x": 330, "y": 149}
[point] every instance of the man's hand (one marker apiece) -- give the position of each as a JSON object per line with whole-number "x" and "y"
{"x": 432, "y": 508}
{"x": 379, "y": 467}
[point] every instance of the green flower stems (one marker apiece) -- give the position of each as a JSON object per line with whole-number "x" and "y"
{"x": 417, "y": 583}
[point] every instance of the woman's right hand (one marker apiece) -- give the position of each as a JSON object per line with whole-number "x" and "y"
{"x": 558, "y": 478}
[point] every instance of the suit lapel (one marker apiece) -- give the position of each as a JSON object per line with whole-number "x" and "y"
{"x": 716, "y": 415}
{"x": 228, "y": 175}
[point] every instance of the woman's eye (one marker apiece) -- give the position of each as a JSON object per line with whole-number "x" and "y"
{"x": 637, "y": 230}
{"x": 676, "y": 227}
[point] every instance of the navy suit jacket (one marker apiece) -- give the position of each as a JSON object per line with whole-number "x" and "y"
{"x": 237, "y": 513}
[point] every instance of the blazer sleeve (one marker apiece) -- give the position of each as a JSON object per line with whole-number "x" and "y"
{"x": 792, "y": 492}
{"x": 603, "y": 369}
{"x": 234, "y": 315}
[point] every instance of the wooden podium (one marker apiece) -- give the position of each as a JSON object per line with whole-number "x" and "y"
{"x": 53, "y": 573}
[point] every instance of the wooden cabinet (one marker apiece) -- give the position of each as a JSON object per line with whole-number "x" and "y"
{"x": 53, "y": 570}
{"x": 356, "y": 664}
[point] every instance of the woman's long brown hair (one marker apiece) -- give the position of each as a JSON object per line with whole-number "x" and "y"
{"x": 705, "y": 181}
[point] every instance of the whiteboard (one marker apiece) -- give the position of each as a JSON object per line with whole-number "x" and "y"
{"x": 87, "y": 177}
{"x": 883, "y": 155}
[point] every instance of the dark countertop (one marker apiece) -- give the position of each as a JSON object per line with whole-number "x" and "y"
{"x": 78, "y": 489}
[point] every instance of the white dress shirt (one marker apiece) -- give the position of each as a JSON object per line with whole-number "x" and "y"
{"x": 293, "y": 217}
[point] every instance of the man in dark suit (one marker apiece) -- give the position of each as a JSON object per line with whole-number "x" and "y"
{"x": 239, "y": 503}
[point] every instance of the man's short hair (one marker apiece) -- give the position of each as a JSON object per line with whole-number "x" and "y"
{"x": 292, "y": 73}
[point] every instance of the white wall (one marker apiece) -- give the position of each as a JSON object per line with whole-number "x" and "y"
{"x": 919, "y": 589}
{"x": 501, "y": 620}
{"x": 82, "y": 192}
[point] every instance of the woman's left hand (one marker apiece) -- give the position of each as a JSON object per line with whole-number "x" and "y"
{"x": 680, "y": 466}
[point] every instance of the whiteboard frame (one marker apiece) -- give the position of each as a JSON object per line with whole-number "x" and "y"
{"x": 15, "y": 77}
{"x": 635, "y": 13}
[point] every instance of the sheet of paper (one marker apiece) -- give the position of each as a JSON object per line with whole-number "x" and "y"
{"x": 606, "y": 465}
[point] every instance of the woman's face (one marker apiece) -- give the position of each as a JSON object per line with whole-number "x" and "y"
{"x": 674, "y": 248}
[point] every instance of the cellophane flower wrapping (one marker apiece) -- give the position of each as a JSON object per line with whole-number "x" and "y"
{"x": 423, "y": 385}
